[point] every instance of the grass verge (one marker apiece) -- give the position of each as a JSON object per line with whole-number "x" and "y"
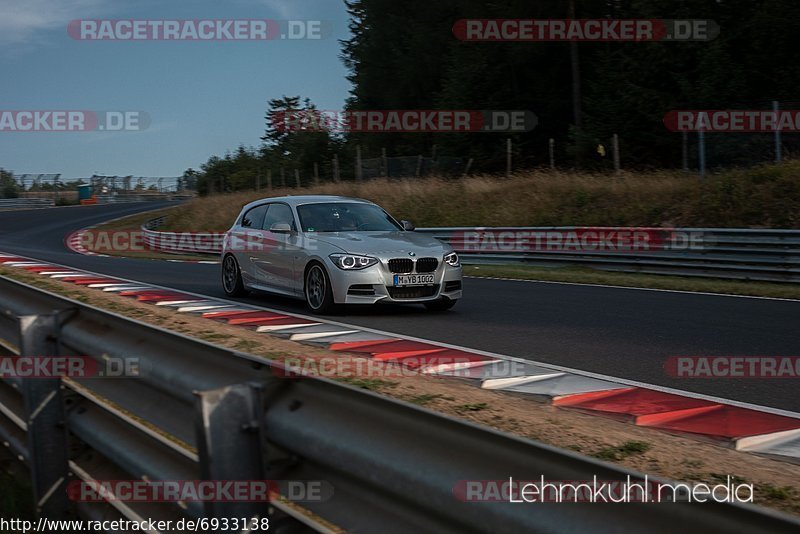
{"x": 762, "y": 196}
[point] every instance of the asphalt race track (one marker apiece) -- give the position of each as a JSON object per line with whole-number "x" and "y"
{"x": 618, "y": 332}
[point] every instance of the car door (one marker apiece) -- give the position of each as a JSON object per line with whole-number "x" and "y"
{"x": 245, "y": 242}
{"x": 280, "y": 248}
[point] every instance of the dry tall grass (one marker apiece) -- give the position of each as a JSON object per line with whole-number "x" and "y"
{"x": 762, "y": 196}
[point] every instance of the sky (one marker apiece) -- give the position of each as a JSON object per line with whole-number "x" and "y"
{"x": 202, "y": 98}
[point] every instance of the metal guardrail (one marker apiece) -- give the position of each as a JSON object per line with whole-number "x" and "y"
{"x": 126, "y": 198}
{"x": 201, "y": 412}
{"x": 32, "y": 203}
{"x": 26, "y": 203}
{"x": 728, "y": 253}
{"x": 176, "y": 243}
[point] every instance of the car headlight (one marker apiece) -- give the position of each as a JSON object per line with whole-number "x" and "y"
{"x": 452, "y": 260}
{"x": 352, "y": 262}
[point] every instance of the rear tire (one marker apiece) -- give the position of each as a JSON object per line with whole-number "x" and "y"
{"x": 232, "y": 278}
{"x": 318, "y": 290}
{"x": 443, "y": 304}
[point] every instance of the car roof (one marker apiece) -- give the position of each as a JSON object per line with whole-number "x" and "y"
{"x": 306, "y": 199}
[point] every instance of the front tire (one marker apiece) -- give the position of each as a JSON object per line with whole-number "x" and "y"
{"x": 318, "y": 290}
{"x": 443, "y": 304}
{"x": 232, "y": 278}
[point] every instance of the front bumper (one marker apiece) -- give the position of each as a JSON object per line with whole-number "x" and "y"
{"x": 375, "y": 284}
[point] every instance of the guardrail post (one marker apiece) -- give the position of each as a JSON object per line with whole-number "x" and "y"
{"x": 776, "y": 108}
{"x": 44, "y": 415}
{"x": 229, "y": 442}
{"x": 508, "y": 158}
{"x": 701, "y": 147}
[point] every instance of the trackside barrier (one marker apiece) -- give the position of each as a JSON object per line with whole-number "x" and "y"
{"x": 173, "y": 243}
{"x": 742, "y": 254}
{"x": 33, "y": 203}
{"x": 159, "y": 197}
{"x": 730, "y": 253}
{"x": 26, "y": 203}
{"x": 198, "y": 411}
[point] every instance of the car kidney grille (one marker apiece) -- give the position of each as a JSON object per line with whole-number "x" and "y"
{"x": 427, "y": 265}
{"x": 401, "y": 265}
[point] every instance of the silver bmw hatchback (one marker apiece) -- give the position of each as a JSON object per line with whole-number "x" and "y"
{"x": 331, "y": 250}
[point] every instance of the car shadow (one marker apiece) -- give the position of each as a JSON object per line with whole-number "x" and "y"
{"x": 288, "y": 304}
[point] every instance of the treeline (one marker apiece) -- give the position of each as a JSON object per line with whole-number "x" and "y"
{"x": 403, "y": 55}
{"x": 9, "y": 188}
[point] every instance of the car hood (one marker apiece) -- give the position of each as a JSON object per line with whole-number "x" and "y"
{"x": 385, "y": 243}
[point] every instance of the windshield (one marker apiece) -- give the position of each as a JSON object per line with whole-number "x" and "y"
{"x": 345, "y": 217}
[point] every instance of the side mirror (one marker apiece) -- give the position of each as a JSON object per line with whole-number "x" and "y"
{"x": 408, "y": 226}
{"x": 280, "y": 228}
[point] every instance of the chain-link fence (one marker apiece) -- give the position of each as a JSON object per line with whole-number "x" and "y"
{"x": 37, "y": 182}
{"x": 732, "y": 142}
{"x": 411, "y": 167}
{"x": 135, "y": 184}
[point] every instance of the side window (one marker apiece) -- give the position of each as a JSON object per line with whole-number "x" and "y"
{"x": 255, "y": 217}
{"x": 279, "y": 213}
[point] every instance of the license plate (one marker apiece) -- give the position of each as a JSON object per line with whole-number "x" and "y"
{"x": 401, "y": 280}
